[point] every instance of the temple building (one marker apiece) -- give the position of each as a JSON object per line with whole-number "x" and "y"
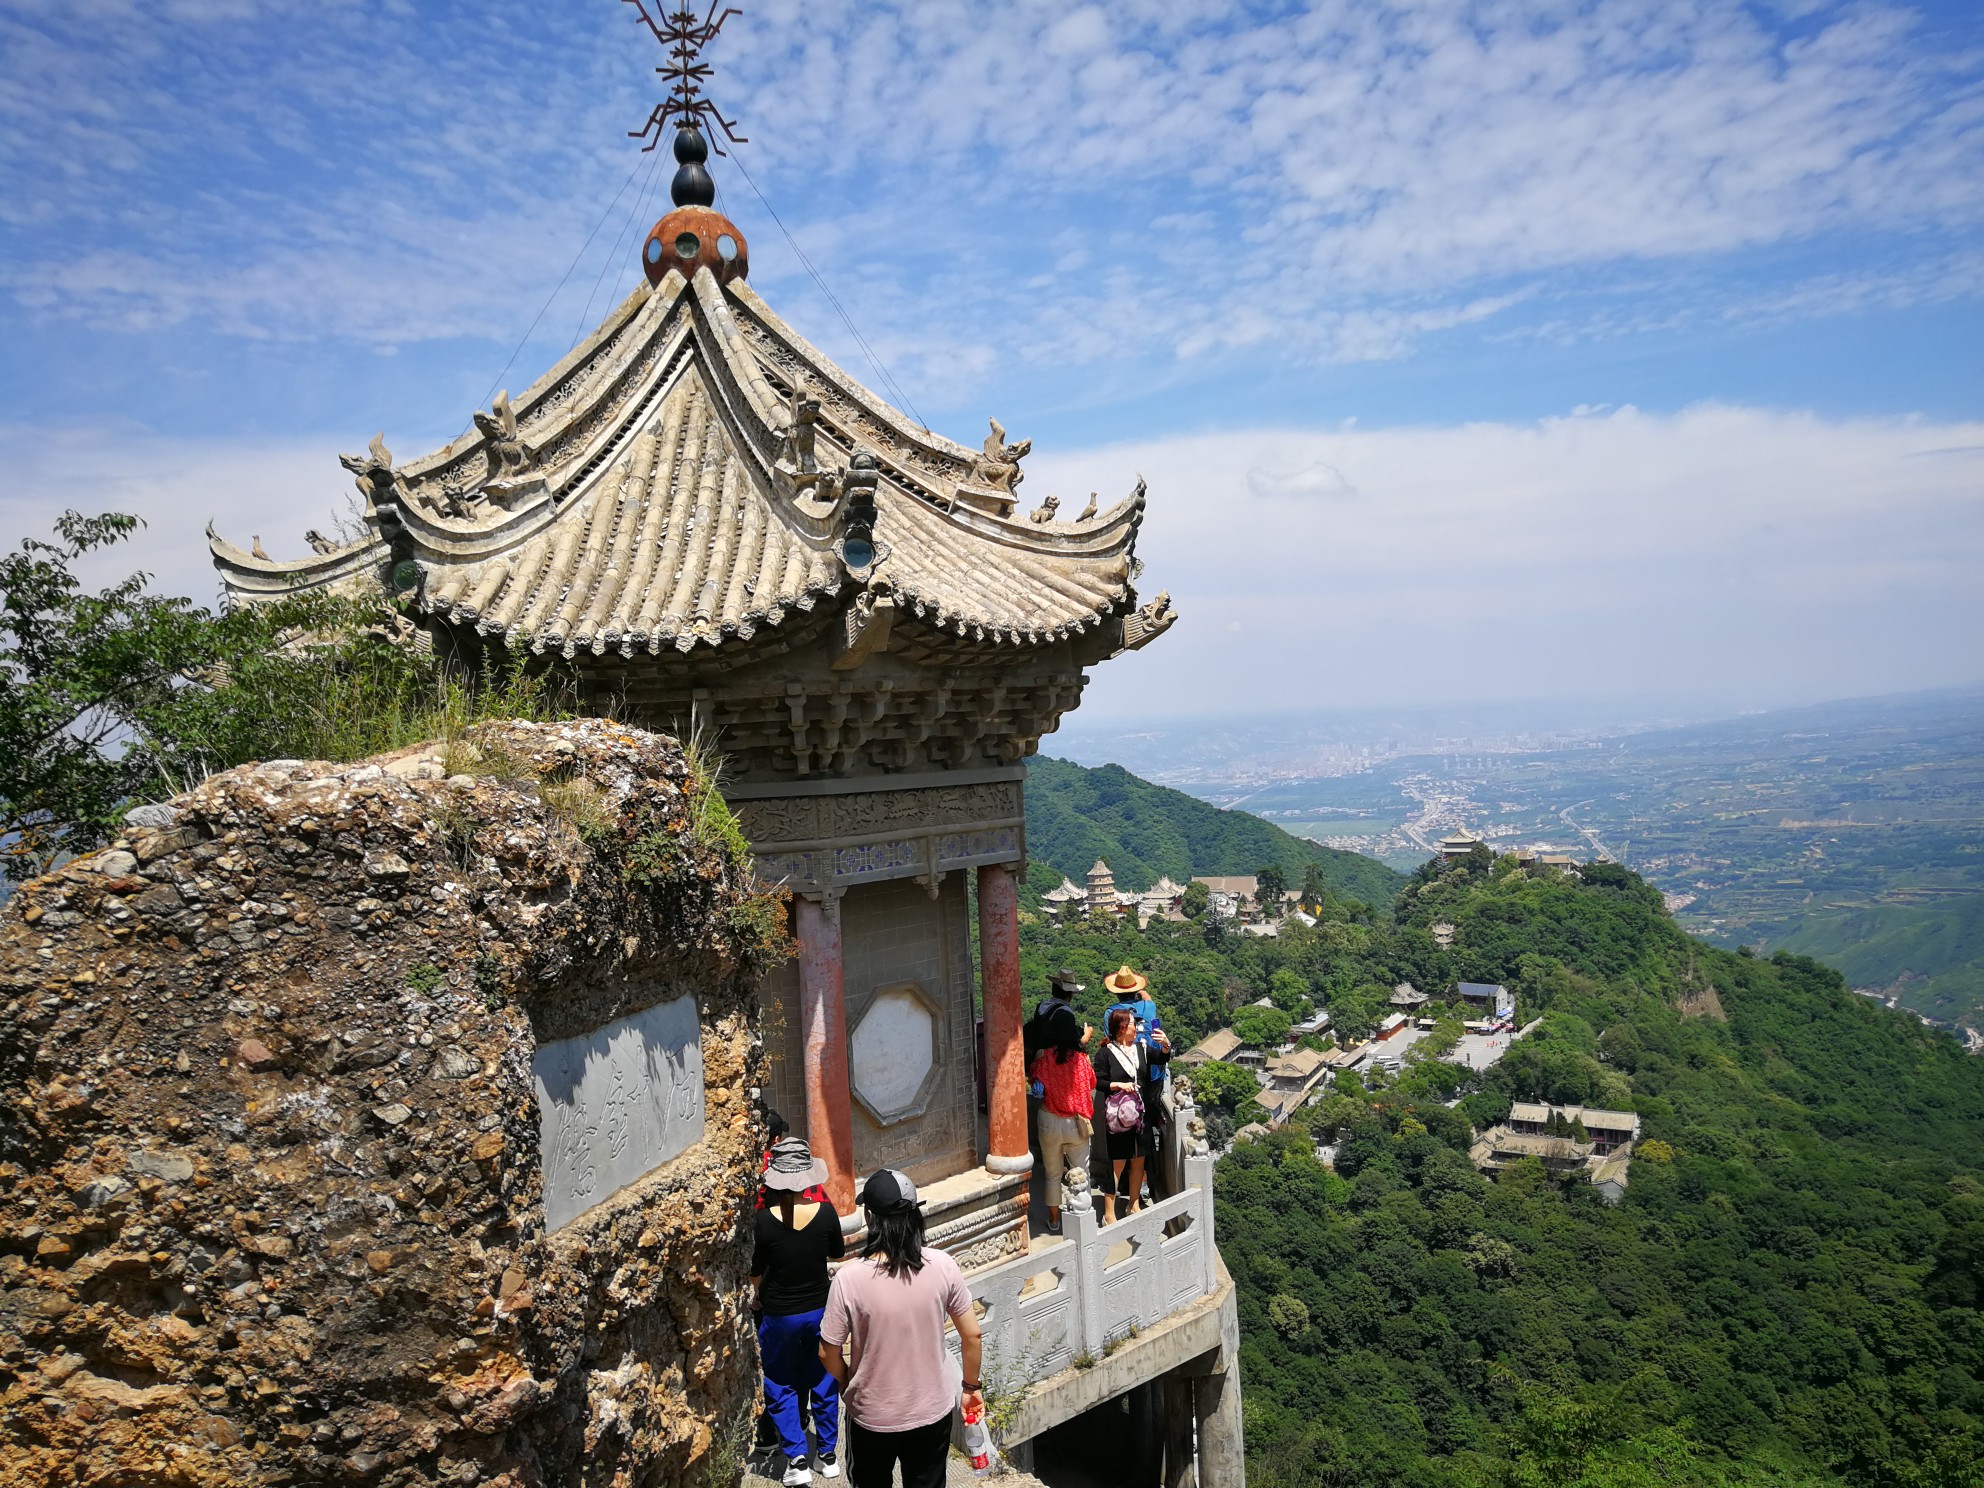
{"x": 1101, "y": 889}
{"x": 703, "y": 525}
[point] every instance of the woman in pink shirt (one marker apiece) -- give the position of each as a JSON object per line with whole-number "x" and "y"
{"x": 882, "y": 1338}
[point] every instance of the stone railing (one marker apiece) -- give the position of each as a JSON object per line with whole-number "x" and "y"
{"x": 1076, "y": 1298}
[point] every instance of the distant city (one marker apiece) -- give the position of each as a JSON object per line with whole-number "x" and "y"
{"x": 1845, "y": 830}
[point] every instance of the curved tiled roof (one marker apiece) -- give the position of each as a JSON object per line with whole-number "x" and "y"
{"x": 646, "y": 504}
{"x": 675, "y": 545}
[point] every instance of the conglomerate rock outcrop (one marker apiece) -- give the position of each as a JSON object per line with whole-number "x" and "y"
{"x": 271, "y": 1193}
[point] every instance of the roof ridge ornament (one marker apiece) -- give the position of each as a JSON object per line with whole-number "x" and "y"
{"x": 858, "y": 549}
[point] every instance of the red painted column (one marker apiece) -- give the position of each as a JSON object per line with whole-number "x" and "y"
{"x": 823, "y": 1036}
{"x": 1005, "y": 1056}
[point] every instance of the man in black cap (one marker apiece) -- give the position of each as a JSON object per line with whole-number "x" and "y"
{"x": 882, "y": 1338}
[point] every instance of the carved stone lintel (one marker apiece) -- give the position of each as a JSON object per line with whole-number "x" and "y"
{"x": 798, "y": 820}
{"x": 990, "y": 1251}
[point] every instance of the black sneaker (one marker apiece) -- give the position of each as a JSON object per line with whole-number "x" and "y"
{"x": 829, "y": 1466}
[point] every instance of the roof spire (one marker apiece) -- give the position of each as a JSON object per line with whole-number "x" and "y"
{"x": 684, "y": 37}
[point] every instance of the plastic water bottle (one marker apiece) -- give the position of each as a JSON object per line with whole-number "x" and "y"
{"x": 977, "y": 1442}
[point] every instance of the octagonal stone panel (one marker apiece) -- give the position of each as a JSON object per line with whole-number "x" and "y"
{"x": 892, "y": 1053}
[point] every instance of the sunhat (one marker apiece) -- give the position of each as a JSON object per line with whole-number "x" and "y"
{"x": 794, "y": 1167}
{"x": 1125, "y": 981}
{"x": 1065, "y": 980}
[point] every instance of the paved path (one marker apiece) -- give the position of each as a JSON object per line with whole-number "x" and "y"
{"x": 960, "y": 1473}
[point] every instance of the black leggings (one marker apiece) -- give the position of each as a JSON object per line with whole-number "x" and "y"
{"x": 922, "y": 1450}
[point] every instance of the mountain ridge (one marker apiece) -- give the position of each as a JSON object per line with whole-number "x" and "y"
{"x": 1076, "y": 814}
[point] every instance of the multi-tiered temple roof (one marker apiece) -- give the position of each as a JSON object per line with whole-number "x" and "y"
{"x": 674, "y": 501}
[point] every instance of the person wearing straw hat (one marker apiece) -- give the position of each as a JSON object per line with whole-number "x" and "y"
{"x": 1135, "y": 1060}
{"x": 796, "y": 1237}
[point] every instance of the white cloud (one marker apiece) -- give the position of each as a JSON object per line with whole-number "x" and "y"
{"x": 272, "y": 489}
{"x": 1315, "y": 479}
{"x": 1744, "y": 553}
{"x": 1739, "y": 554}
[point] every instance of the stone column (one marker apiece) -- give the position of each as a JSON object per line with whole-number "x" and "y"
{"x": 1222, "y": 1438}
{"x": 1005, "y": 1056}
{"x": 823, "y": 1036}
{"x": 1180, "y": 1466}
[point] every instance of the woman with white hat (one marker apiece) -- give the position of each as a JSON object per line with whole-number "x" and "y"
{"x": 796, "y": 1238}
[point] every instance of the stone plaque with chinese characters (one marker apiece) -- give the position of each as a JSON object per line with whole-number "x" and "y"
{"x": 615, "y": 1104}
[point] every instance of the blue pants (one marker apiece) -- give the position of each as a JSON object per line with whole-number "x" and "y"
{"x": 789, "y": 1348}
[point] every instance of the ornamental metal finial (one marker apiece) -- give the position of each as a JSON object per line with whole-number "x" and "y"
{"x": 684, "y": 37}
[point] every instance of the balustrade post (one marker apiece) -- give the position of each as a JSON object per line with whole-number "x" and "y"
{"x": 1081, "y": 1228}
{"x": 1198, "y": 1176}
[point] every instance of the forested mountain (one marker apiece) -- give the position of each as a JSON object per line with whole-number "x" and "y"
{"x": 1788, "y": 1295}
{"x": 1930, "y": 955}
{"x": 1076, "y": 815}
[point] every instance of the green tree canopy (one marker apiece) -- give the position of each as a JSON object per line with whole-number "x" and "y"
{"x": 1264, "y": 1027}
{"x": 112, "y": 697}
{"x": 1222, "y": 1085}
{"x": 1270, "y": 885}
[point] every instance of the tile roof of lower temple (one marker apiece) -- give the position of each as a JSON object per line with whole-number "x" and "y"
{"x": 667, "y": 487}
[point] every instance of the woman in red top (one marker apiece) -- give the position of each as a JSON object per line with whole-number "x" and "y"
{"x": 1067, "y": 1104}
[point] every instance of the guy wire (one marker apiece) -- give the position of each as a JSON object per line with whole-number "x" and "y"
{"x": 641, "y": 197}
{"x": 846, "y": 319}
{"x": 498, "y": 380}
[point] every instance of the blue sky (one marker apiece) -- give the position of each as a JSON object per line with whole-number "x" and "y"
{"x": 1660, "y": 319}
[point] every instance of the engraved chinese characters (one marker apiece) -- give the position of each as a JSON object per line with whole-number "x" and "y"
{"x": 616, "y": 1103}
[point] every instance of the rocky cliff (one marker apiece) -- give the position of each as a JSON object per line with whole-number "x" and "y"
{"x": 277, "y": 1073}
